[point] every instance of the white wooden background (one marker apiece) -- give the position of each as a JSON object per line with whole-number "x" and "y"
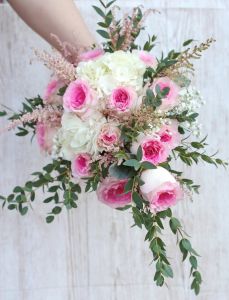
{"x": 91, "y": 253}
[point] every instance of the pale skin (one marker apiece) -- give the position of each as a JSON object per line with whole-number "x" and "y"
{"x": 59, "y": 17}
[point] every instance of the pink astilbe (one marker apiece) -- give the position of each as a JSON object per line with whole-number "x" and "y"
{"x": 58, "y": 64}
{"x": 47, "y": 114}
{"x": 70, "y": 52}
{"x": 131, "y": 26}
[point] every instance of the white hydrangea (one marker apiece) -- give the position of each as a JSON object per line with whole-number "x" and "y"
{"x": 77, "y": 136}
{"x": 112, "y": 70}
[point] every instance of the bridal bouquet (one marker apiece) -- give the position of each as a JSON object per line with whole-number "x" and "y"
{"x": 114, "y": 119}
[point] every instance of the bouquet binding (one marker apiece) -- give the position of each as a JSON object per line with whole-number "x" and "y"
{"x": 114, "y": 119}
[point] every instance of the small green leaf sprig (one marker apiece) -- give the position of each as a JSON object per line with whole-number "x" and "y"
{"x": 56, "y": 181}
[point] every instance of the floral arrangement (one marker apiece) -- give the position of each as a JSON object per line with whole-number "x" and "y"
{"x": 114, "y": 119}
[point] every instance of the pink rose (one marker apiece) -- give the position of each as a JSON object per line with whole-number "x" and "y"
{"x": 50, "y": 96}
{"x": 172, "y": 99}
{"x": 160, "y": 188}
{"x": 169, "y": 135}
{"x": 45, "y": 135}
{"x": 111, "y": 192}
{"x": 122, "y": 99}
{"x": 91, "y": 55}
{"x": 148, "y": 59}
{"x": 109, "y": 136}
{"x": 153, "y": 150}
{"x": 79, "y": 98}
{"x": 81, "y": 165}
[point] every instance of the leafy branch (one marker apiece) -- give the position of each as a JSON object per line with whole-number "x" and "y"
{"x": 187, "y": 251}
{"x": 54, "y": 179}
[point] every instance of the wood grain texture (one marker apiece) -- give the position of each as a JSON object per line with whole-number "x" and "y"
{"x": 91, "y": 253}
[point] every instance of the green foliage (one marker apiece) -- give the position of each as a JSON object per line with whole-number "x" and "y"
{"x": 150, "y": 44}
{"x": 188, "y": 42}
{"x": 195, "y": 152}
{"x": 186, "y": 249}
{"x": 185, "y": 116}
{"x": 99, "y": 173}
{"x": 163, "y": 64}
{"x": 153, "y": 225}
{"x": 190, "y": 185}
{"x": 155, "y": 100}
{"x": 115, "y": 37}
{"x": 3, "y": 113}
{"x": 106, "y": 14}
{"x": 55, "y": 180}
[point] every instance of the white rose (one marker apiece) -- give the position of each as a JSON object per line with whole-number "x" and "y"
{"x": 153, "y": 178}
{"x": 77, "y": 136}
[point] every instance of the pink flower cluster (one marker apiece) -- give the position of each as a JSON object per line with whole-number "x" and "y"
{"x": 156, "y": 147}
{"x": 160, "y": 189}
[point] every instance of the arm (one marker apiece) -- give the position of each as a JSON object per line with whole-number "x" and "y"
{"x": 59, "y": 17}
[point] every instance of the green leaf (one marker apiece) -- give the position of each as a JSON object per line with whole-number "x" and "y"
{"x": 49, "y": 219}
{"x": 137, "y": 217}
{"x": 186, "y": 43}
{"x": 47, "y": 200}
{"x": 193, "y": 261}
{"x": 56, "y": 210}
{"x": 197, "y": 145}
{"x": 103, "y": 33}
{"x": 174, "y": 224}
{"x": 53, "y": 189}
{"x": 3, "y": 113}
{"x": 207, "y": 159}
{"x": 24, "y": 210}
{"x": 120, "y": 41}
{"x": 102, "y": 3}
{"x": 147, "y": 165}
{"x": 121, "y": 171}
{"x": 149, "y": 97}
{"x": 110, "y": 3}
{"x": 101, "y": 24}
{"x": 22, "y": 132}
{"x": 160, "y": 280}
{"x": 167, "y": 271}
{"x": 10, "y": 197}
{"x": 132, "y": 163}
{"x": 186, "y": 244}
{"x": 12, "y": 206}
{"x": 137, "y": 200}
{"x": 197, "y": 276}
{"x": 159, "y": 222}
{"x": 124, "y": 208}
{"x": 139, "y": 153}
{"x": 129, "y": 185}
{"x": 18, "y": 189}
{"x": 99, "y": 11}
